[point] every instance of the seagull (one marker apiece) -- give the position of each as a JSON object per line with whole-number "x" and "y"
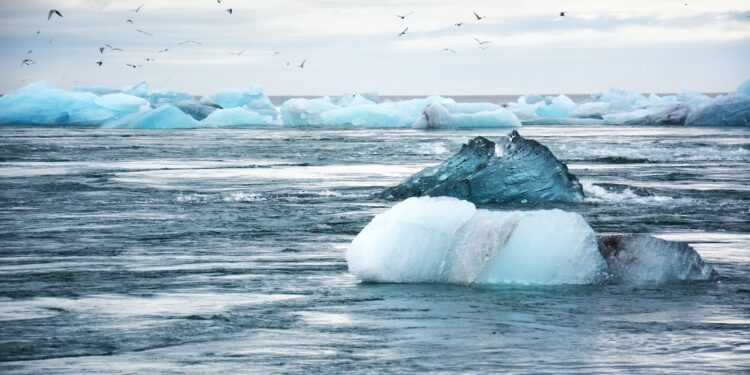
{"x": 238, "y": 53}
{"x": 27, "y": 62}
{"x": 134, "y": 66}
{"x": 562, "y": 14}
{"x": 479, "y": 18}
{"x": 459, "y": 24}
{"x": 230, "y": 11}
{"x": 38, "y": 32}
{"x": 288, "y": 63}
{"x": 405, "y": 15}
{"x": 403, "y": 32}
{"x": 303, "y": 63}
{"x": 149, "y": 59}
{"x": 190, "y": 42}
{"x": 99, "y": 63}
{"x": 482, "y": 41}
{"x": 218, "y": 1}
{"x": 113, "y": 48}
{"x": 101, "y": 49}
{"x": 52, "y": 12}
{"x": 129, "y": 21}
{"x": 137, "y": 9}
{"x": 164, "y": 50}
{"x": 448, "y": 50}
{"x": 143, "y": 32}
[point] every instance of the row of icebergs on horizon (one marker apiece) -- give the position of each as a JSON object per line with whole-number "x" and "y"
{"x": 41, "y": 103}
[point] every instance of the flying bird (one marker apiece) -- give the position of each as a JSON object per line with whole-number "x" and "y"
{"x": 230, "y": 11}
{"x": 134, "y": 66}
{"x": 482, "y": 48}
{"x": 164, "y": 50}
{"x": 448, "y": 50}
{"x": 29, "y": 51}
{"x": 238, "y": 53}
{"x": 52, "y": 12}
{"x": 218, "y": 1}
{"x": 479, "y": 18}
{"x": 99, "y": 63}
{"x": 481, "y": 42}
{"x": 562, "y": 14}
{"x": 405, "y": 15}
{"x": 113, "y": 48}
{"x": 143, "y": 32}
{"x": 303, "y": 63}
{"x": 403, "y": 32}
{"x": 101, "y": 49}
{"x": 27, "y": 62}
{"x": 130, "y": 22}
{"x": 459, "y": 24}
{"x": 149, "y": 59}
{"x": 137, "y": 9}
{"x": 190, "y": 42}
{"x": 38, "y": 32}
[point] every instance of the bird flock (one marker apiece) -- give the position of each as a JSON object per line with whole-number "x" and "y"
{"x": 54, "y": 13}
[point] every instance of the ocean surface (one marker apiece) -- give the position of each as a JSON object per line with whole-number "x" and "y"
{"x": 222, "y": 251}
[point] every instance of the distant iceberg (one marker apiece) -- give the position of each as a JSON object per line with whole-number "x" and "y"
{"x": 446, "y": 240}
{"x": 164, "y": 117}
{"x": 470, "y": 115}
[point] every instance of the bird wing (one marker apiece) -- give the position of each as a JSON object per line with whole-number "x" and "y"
{"x": 477, "y": 16}
{"x": 478, "y": 41}
{"x": 51, "y": 12}
{"x": 404, "y": 32}
{"x": 58, "y": 13}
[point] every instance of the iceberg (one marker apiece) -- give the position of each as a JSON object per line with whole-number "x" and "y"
{"x": 727, "y": 110}
{"x": 660, "y": 114}
{"x": 253, "y": 98}
{"x": 642, "y": 259}
{"x": 473, "y": 115}
{"x": 41, "y": 103}
{"x": 164, "y": 117}
{"x": 744, "y": 88}
{"x": 140, "y": 90}
{"x": 348, "y": 100}
{"x": 446, "y": 240}
{"x": 235, "y": 117}
{"x": 305, "y": 112}
{"x": 514, "y": 169}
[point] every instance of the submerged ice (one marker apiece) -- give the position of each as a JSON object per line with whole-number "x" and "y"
{"x": 446, "y": 240}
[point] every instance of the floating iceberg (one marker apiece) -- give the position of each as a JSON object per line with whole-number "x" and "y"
{"x": 660, "y": 114}
{"x": 643, "y": 259}
{"x": 160, "y": 97}
{"x": 164, "y": 117}
{"x": 744, "y": 88}
{"x": 235, "y": 117}
{"x": 196, "y": 110}
{"x": 727, "y": 110}
{"x": 41, "y": 103}
{"x": 304, "y": 112}
{"x": 445, "y": 240}
{"x": 514, "y": 169}
{"x": 472, "y": 115}
{"x": 252, "y": 98}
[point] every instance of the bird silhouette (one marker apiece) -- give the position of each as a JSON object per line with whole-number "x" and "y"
{"x": 230, "y": 11}
{"x": 459, "y": 24}
{"x": 143, "y": 32}
{"x": 136, "y": 10}
{"x": 29, "y": 51}
{"x": 448, "y": 50}
{"x": 562, "y": 14}
{"x": 481, "y": 42}
{"x": 52, "y": 12}
{"x": 479, "y": 18}
{"x": 99, "y": 63}
{"x": 403, "y": 32}
{"x": 130, "y": 22}
{"x": 190, "y": 42}
{"x": 405, "y": 15}
{"x": 27, "y": 62}
{"x": 113, "y": 48}
{"x": 303, "y": 63}
{"x": 238, "y": 53}
{"x": 134, "y": 66}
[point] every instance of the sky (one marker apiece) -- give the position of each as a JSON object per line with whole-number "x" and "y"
{"x": 353, "y": 45}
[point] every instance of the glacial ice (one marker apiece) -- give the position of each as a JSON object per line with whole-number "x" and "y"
{"x": 659, "y": 114}
{"x": 446, "y": 240}
{"x": 195, "y": 109}
{"x": 164, "y": 117}
{"x": 513, "y": 169}
{"x": 744, "y": 88}
{"x": 41, "y": 103}
{"x": 235, "y": 117}
{"x": 253, "y": 98}
{"x": 475, "y": 115}
{"x": 305, "y": 112}
{"x": 160, "y": 97}
{"x": 642, "y": 259}
{"x": 726, "y": 110}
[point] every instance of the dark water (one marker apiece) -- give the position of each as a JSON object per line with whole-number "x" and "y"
{"x": 222, "y": 251}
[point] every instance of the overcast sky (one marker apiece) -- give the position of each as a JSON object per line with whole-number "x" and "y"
{"x": 352, "y": 45}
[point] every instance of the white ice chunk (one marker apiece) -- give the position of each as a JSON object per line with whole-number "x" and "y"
{"x": 449, "y": 240}
{"x": 164, "y": 117}
{"x": 140, "y": 90}
{"x": 727, "y": 110}
{"x": 744, "y": 88}
{"x": 304, "y": 112}
{"x": 659, "y": 114}
{"x": 160, "y": 97}
{"x": 437, "y": 115}
{"x": 235, "y": 117}
{"x": 253, "y": 98}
